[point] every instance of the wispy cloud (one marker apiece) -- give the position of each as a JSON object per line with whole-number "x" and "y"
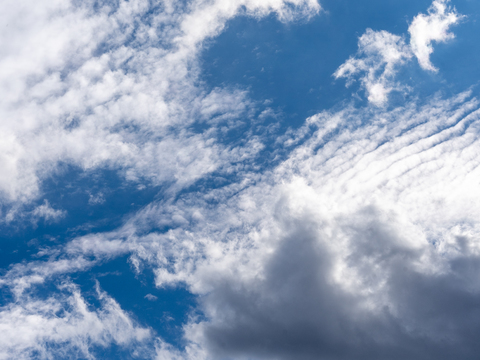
{"x": 46, "y": 212}
{"x": 379, "y": 56}
{"x": 63, "y": 325}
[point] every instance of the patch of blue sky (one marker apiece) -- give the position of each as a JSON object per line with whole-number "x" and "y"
{"x": 95, "y": 201}
{"x": 458, "y": 69}
{"x": 290, "y": 66}
{"x": 98, "y": 201}
{"x": 164, "y": 310}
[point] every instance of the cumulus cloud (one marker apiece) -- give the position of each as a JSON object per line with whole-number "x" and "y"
{"x": 362, "y": 243}
{"x": 425, "y": 29}
{"x": 354, "y": 247}
{"x": 381, "y": 54}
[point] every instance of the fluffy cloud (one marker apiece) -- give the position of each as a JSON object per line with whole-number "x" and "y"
{"x": 104, "y": 84}
{"x": 432, "y": 27}
{"x": 380, "y": 54}
{"x": 362, "y": 243}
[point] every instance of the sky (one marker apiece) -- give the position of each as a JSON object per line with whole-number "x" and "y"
{"x": 239, "y": 179}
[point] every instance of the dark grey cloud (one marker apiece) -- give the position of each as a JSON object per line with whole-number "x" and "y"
{"x": 298, "y": 312}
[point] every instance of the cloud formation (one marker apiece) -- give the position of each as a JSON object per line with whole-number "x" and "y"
{"x": 62, "y": 325}
{"x": 352, "y": 248}
{"x": 361, "y": 243}
{"x": 105, "y": 85}
{"x": 46, "y": 212}
{"x": 425, "y": 29}
{"x": 114, "y": 85}
{"x": 381, "y": 54}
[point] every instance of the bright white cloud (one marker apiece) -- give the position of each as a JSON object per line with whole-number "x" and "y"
{"x": 425, "y": 29}
{"x": 379, "y": 56}
{"x": 90, "y": 85}
{"x": 341, "y": 251}
{"x": 361, "y": 229}
{"x": 64, "y": 326}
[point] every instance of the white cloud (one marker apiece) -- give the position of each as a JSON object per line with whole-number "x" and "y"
{"x": 92, "y": 85}
{"x": 379, "y": 56}
{"x": 46, "y": 212}
{"x": 97, "y": 86}
{"x": 151, "y": 297}
{"x": 425, "y": 29}
{"x": 96, "y": 199}
{"x": 353, "y": 235}
{"x": 63, "y": 325}
{"x": 339, "y": 252}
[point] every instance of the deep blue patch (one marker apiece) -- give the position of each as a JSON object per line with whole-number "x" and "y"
{"x": 70, "y": 190}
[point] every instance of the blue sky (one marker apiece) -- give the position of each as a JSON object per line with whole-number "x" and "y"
{"x": 233, "y": 179}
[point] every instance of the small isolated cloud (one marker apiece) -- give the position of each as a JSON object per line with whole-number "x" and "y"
{"x": 151, "y": 297}
{"x": 432, "y": 27}
{"x": 96, "y": 199}
{"x": 379, "y": 54}
{"x": 49, "y": 214}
